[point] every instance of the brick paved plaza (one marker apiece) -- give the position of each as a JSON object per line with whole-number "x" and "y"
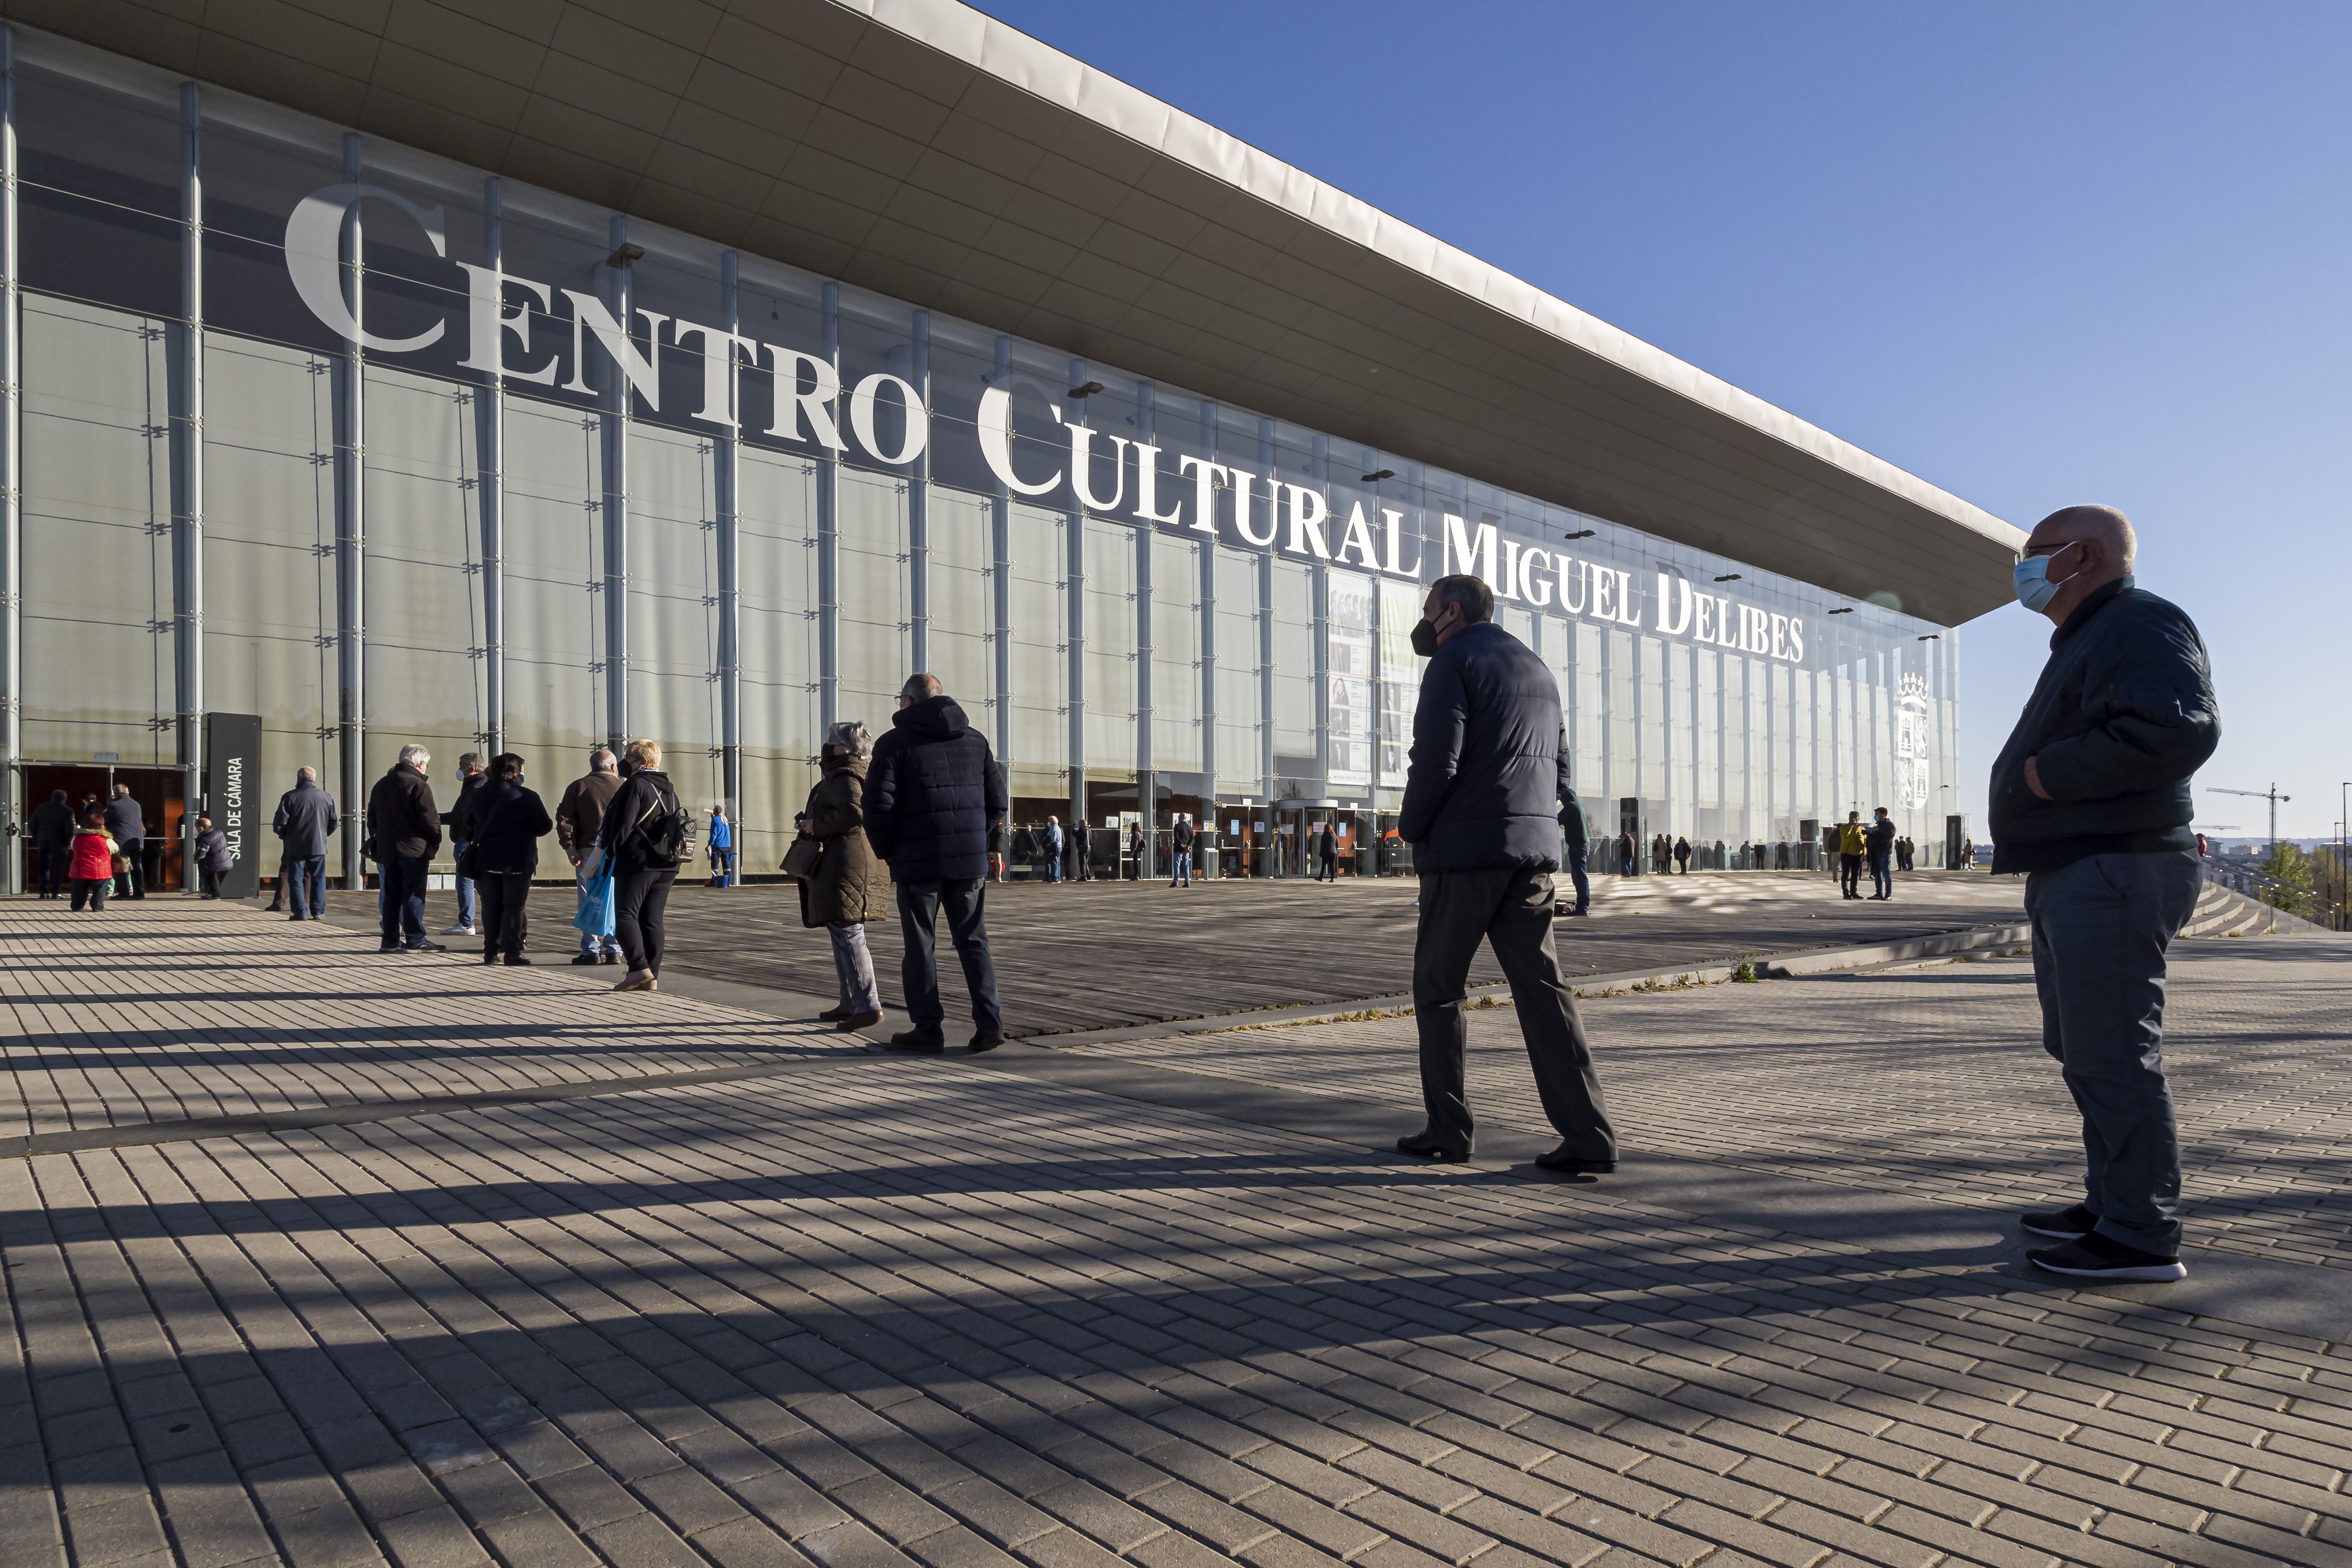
{"x": 325, "y": 1259}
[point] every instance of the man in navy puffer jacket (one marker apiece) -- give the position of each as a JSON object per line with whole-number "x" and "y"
{"x": 931, "y": 792}
{"x": 1482, "y": 804}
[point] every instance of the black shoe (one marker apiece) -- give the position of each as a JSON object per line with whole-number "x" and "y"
{"x": 390, "y": 947}
{"x": 1562, "y": 1160}
{"x": 850, "y": 1023}
{"x": 2060, "y": 1225}
{"x": 915, "y": 1042}
{"x": 1425, "y": 1144}
{"x": 986, "y": 1040}
{"x": 426, "y": 945}
{"x": 832, "y": 1015}
{"x": 489, "y": 958}
{"x": 298, "y": 917}
{"x": 584, "y": 960}
{"x": 518, "y": 961}
{"x": 2096, "y": 1256}
{"x": 611, "y": 958}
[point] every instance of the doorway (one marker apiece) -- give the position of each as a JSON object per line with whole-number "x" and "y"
{"x": 157, "y": 791}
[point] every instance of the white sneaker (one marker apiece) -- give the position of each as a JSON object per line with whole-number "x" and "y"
{"x": 457, "y": 931}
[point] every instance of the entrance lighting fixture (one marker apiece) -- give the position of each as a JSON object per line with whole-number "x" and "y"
{"x": 1729, "y": 577}
{"x": 1843, "y": 610}
{"x": 1581, "y": 533}
{"x": 1088, "y": 390}
{"x": 1932, "y": 636}
{"x": 1377, "y": 475}
{"x": 626, "y": 257}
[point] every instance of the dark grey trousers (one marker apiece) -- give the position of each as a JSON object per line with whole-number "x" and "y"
{"x": 2100, "y": 930}
{"x": 1512, "y": 910}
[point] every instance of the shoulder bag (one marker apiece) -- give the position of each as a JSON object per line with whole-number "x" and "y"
{"x": 804, "y": 858}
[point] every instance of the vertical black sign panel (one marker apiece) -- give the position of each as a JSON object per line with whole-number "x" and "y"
{"x": 233, "y": 797}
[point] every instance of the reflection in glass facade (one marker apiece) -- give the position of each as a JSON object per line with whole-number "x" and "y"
{"x": 479, "y": 465}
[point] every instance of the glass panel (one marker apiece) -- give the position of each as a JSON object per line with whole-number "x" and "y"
{"x": 964, "y": 607}
{"x": 1293, "y": 670}
{"x": 1240, "y": 754}
{"x": 1400, "y": 606}
{"x": 1110, "y": 646}
{"x": 776, "y": 631}
{"x": 553, "y": 584}
{"x": 100, "y": 673}
{"x": 673, "y": 620}
{"x": 1348, "y": 690}
{"x": 875, "y": 616}
{"x": 1175, "y": 653}
{"x": 426, "y": 646}
{"x": 270, "y": 549}
{"x": 1041, "y": 685}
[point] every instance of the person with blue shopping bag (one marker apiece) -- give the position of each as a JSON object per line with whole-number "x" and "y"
{"x": 578, "y": 817}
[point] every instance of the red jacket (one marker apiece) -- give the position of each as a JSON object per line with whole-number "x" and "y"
{"x": 93, "y": 855}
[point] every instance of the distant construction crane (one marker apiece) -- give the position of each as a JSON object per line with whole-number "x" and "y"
{"x": 2270, "y": 794}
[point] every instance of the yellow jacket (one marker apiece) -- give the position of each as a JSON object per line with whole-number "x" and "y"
{"x": 1852, "y": 838}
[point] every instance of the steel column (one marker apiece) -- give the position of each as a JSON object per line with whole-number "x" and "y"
{"x": 1077, "y": 582}
{"x": 12, "y": 536}
{"x": 1146, "y": 795}
{"x": 1265, "y": 624}
{"x": 1209, "y": 632}
{"x": 188, "y": 459}
{"x": 828, "y": 537}
{"x": 351, "y": 531}
{"x": 1000, "y": 579}
{"x": 1318, "y": 577}
{"x": 730, "y": 584}
{"x": 614, "y": 432}
{"x": 493, "y": 486}
{"x": 919, "y": 511}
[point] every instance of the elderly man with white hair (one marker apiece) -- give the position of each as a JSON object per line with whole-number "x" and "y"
{"x": 404, "y": 830}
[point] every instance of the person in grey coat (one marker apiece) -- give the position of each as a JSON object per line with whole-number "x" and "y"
{"x": 1482, "y": 800}
{"x": 2090, "y": 799}
{"x": 305, "y": 820}
{"x": 128, "y": 822}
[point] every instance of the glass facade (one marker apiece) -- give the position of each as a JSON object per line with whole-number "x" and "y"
{"x": 354, "y": 439}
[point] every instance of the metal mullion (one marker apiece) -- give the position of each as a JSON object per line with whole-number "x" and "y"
{"x": 188, "y": 501}
{"x": 731, "y": 586}
{"x": 828, "y": 537}
{"x": 493, "y": 486}
{"x": 918, "y": 509}
{"x": 1208, "y": 633}
{"x": 12, "y": 536}
{"x": 1265, "y": 631}
{"x": 613, "y": 429}
{"x": 1146, "y": 796}
{"x": 1000, "y": 524}
{"x": 351, "y": 541}
{"x": 1077, "y": 566}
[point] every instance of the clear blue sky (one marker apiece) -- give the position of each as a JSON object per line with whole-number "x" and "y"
{"x": 2036, "y": 254}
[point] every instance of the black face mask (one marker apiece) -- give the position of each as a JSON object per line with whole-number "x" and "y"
{"x": 1425, "y": 638}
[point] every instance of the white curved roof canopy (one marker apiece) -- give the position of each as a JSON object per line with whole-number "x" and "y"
{"x": 922, "y": 149}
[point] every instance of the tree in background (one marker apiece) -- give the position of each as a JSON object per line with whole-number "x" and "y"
{"x": 2293, "y": 879}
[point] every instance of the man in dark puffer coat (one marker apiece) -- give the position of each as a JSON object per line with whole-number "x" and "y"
{"x": 1482, "y": 813}
{"x": 930, "y": 793}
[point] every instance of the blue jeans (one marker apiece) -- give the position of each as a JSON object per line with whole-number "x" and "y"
{"x": 2100, "y": 930}
{"x": 1182, "y": 873}
{"x": 918, "y": 973}
{"x": 1053, "y": 865}
{"x": 1579, "y": 857}
{"x": 306, "y": 886}
{"x": 464, "y": 886}
{"x": 1882, "y": 879}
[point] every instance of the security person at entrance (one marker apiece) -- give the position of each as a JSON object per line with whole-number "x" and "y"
{"x": 1482, "y": 812}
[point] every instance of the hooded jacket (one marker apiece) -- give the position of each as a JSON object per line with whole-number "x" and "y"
{"x": 850, "y": 885}
{"x": 1489, "y": 758}
{"x": 2122, "y": 717}
{"x": 52, "y": 822}
{"x": 931, "y": 790}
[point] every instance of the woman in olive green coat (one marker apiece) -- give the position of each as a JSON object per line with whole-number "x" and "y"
{"x": 849, "y": 886}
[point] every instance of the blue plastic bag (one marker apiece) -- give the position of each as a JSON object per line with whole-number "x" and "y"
{"x": 595, "y": 915}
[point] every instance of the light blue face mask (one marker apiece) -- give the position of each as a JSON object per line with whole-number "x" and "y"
{"x": 2030, "y": 578}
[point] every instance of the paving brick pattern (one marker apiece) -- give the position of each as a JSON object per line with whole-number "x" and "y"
{"x": 890, "y": 1312}
{"x": 1928, "y": 1080}
{"x": 156, "y": 1011}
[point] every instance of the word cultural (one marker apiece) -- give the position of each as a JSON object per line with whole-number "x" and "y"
{"x": 1264, "y": 512}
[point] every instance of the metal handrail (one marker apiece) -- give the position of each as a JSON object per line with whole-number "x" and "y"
{"x": 2253, "y": 882}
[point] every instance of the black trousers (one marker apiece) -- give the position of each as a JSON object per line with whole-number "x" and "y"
{"x": 55, "y": 859}
{"x": 1511, "y": 910}
{"x": 502, "y": 894}
{"x": 640, "y": 899}
{"x": 1849, "y": 875}
{"x": 918, "y": 966}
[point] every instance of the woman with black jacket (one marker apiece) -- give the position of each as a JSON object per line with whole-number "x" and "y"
{"x": 644, "y": 867}
{"x": 507, "y": 822}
